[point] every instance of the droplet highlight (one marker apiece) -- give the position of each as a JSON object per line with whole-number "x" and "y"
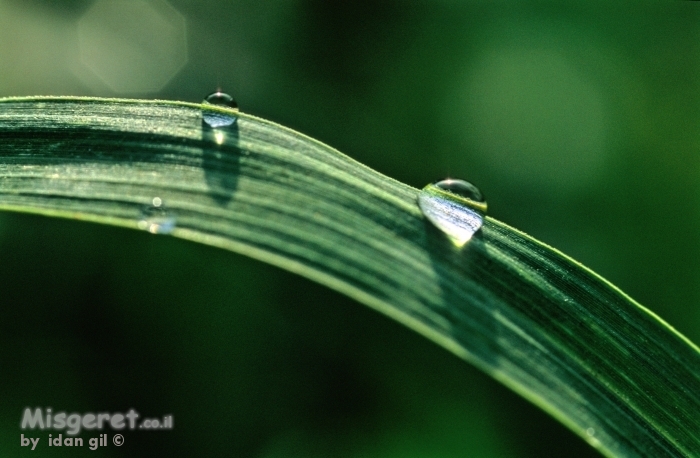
{"x": 456, "y": 207}
{"x": 156, "y": 218}
{"x": 217, "y": 119}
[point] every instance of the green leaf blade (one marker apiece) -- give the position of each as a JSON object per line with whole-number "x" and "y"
{"x": 532, "y": 318}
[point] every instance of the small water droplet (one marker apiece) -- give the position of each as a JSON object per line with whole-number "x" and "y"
{"x": 216, "y": 119}
{"x": 590, "y": 432}
{"x": 456, "y": 207}
{"x": 156, "y": 218}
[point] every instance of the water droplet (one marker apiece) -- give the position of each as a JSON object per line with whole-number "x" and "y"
{"x": 590, "y": 432}
{"x": 456, "y": 207}
{"x": 156, "y": 218}
{"x": 217, "y": 119}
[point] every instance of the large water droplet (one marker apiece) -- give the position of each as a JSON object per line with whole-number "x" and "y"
{"x": 156, "y": 218}
{"x": 456, "y": 207}
{"x": 217, "y": 119}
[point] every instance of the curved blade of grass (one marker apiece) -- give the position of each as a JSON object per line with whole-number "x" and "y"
{"x": 532, "y": 318}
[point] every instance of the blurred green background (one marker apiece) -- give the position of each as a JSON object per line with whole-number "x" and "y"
{"x": 579, "y": 121}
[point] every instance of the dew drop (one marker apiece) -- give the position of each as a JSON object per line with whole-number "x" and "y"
{"x": 216, "y": 119}
{"x": 456, "y": 207}
{"x": 156, "y": 218}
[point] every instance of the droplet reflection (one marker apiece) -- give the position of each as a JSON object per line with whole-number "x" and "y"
{"x": 156, "y": 218}
{"x": 216, "y": 119}
{"x": 456, "y": 207}
{"x": 221, "y": 154}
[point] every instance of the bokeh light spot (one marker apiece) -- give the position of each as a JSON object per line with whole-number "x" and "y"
{"x": 536, "y": 114}
{"x": 536, "y": 117}
{"x": 133, "y": 46}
